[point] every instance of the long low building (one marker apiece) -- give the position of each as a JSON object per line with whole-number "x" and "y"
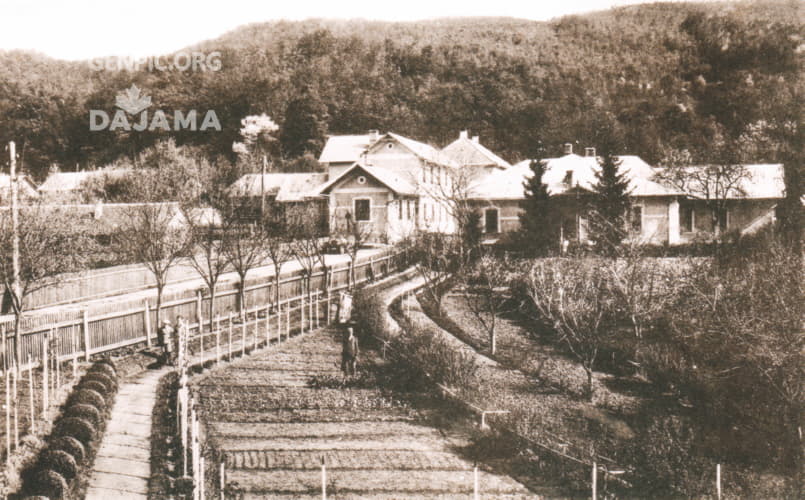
{"x": 397, "y": 186}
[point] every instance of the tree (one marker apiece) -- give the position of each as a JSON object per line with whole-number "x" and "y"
{"x": 305, "y": 228}
{"x": 485, "y": 294}
{"x": 51, "y": 242}
{"x": 573, "y": 296}
{"x": 609, "y": 205}
{"x": 277, "y": 245}
{"x": 355, "y": 235}
{"x": 209, "y": 241}
{"x": 539, "y": 229}
{"x": 305, "y": 127}
{"x": 245, "y": 248}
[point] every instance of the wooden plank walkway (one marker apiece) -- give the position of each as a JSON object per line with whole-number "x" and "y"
{"x": 123, "y": 463}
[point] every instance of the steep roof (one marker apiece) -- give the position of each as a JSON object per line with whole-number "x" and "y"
{"x": 470, "y": 152}
{"x": 762, "y": 181}
{"x": 423, "y": 151}
{"x": 508, "y": 184}
{"x": 345, "y": 148}
{"x": 388, "y": 178}
{"x": 284, "y": 187}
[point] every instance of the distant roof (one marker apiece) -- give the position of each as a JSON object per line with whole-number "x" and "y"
{"x": 26, "y": 188}
{"x": 424, "y": 151}
{"x": 72, "y": 181}
{"x": 470, "y": 152}
{"x": 106, "y": 217}
{"x": 762, "y": 181}
{"x": 508, "y": 184}
{"x": 345, "y": 148}
{"x": 284, "y": 187}
{"x": 386, "y": 177}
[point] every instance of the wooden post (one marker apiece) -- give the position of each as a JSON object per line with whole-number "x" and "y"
{"x": 31, "y": 393}
{"x": 201, "y": 478}
{"x": 201, "y": 341}
{"x": 217, "y": 340}
{"x": 74, "y": 349}
{"x": 8, "y": 418}
{"x": 230, "y": 337}
{"x": 222, "y": 479}
{"x": 14, "y": 375}
{"x": 328, "y": 309}
{"x": 323, "y": 479}
{"x": 243, "y": 335}
{"x": 199, "y": 317}
{"x": 45, "y": 383}
{"x": 147, "y": 321}
{"x": 595, "y": 480}
{"x": 193, "y": 457}
{"x": 183, "y": 424}
{"x": 311, "y": 307}
{"x": 268, "y": 325}
{"x": 718, "y": 481}
{"x": 302, "y": 313}
{"x": 279, "y": 322}
{"x": 475, "y": 489}
{"x": 288, "y": 319}
{"x": 85, "y": 327}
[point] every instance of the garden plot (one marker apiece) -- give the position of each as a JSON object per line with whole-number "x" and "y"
{"x": 274, "y": 429}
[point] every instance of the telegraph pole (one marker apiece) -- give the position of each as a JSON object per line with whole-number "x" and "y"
{"x": 15, "y": 248}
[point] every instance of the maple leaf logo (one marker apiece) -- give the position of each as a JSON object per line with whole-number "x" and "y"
{"x": 131, "y": 102}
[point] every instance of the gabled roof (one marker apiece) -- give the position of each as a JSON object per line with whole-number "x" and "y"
{"x": 470, "y": 152}
{"x": 345, "y": 148}
{"x": 579, "y": 170}
{"x": 283, "y": 187}
{"x": 423, "y": 151}
{"x": 72, "y": 181}
{"x": 26, "y": 188}
{"x": 390, "y": 179}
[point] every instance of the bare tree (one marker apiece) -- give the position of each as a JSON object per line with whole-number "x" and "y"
{"x": 208, "y": 246}
{"x": 156, "y": 235}
{"x": 304, "y": 226}
{"x": 355, "y": 234}
{"x": 572, "y": 295}
{"x": 245, "y": 250}
{"x": 485, "y": 294}
{"x": 277, "y": 245}
{"x": 51, "y": 242}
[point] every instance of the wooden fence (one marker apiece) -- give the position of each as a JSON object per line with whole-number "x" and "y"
{"x": 126, "y": 323}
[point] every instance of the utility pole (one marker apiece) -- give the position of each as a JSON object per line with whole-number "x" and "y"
{"x": 15, "y": 248}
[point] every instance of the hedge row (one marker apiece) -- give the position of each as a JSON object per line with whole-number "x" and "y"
{"x": 74, "y": 434}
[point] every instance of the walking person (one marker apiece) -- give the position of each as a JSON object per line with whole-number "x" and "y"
{"x": 165, "y": 336}
{"x": 349, "y": 353}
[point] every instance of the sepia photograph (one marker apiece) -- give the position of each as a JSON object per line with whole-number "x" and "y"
{"x": 432, "y": 250}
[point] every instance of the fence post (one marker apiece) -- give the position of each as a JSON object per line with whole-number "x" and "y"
{"x": 199, "y": 317}
{"x": 74, "y": 350}
{"x": 8, "y": 418}
{"x": 201, "y": 478}
{"x": 85, "y": 327}
{"x": 302, "y": 313}
{"x": 182, "y": 400}
{"x": 268, "y": 324}
{"x": 45, "y": 375}
{"x": 193, "y": 457}
{"x": 279, "y": 322}
{"x": 327, "y": 314}
{"x": 288, "y": 319}
{"x": 230, "y": 337}
{"x": 222, "y": 479}
{"x": 217, "y": 340}
{"x": 31, "y": 393}
{"x": 147, "y": 320}
{"x": 718, "y": 481}
{"x": 475, "y": 489}
{"x": 595, "y": 480}
{"x": 243, "y": 335}
{"x": 16, "y": 404}
{"x": 323, "y": 479}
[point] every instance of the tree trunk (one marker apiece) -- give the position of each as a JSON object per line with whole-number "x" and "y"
{"x": 276, "y": 286}
{"x": 17, "y": 339}
{"x": 589, "y": 371}
{"x": 242, "y": 297}
{"x": 493, "y": 338}
{"x": 212, "y": 306}
{"x": 160, "y": 287}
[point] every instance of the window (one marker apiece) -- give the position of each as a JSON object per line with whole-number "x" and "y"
{"x": 491, "y": 221}
{"x": 686, "y": 223}
{"x": 361, "y": 179}
{"x": 637, "y": 219}
{"x": 363, "y": 209}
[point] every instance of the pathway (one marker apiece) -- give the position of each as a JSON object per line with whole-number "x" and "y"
{"x": 122, "y": 466}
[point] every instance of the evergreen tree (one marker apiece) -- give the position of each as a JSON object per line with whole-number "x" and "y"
{"x": 305, "y": 127}
{"x": 609, "y": 205}
{"x": 539, "y": 229}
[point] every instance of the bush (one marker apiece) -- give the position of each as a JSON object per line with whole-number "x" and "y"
{"x": 103, "y": 378}
{"x": 104, "y": 369}
{"x": 71, "y": 445}
{"x": 108, "y": 362}
{"x": 59, "y": 461}
{"x": 94, "y": 385}
{"x": 77, "y": 428}
{"x": 369, "y": 315}
{"x": 49, "y": 483}
{"x": 85, "y": 411}
{"x": 88, "y": 396}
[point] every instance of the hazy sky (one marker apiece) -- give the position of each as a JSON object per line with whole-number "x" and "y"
{"x": 82, "y": 29}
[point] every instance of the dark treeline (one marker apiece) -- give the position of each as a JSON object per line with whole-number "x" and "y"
{"x": 663, "y": 77}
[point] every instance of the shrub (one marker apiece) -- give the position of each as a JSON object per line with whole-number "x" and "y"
{"x": 59, "y": 461}
{"x": 76, "y": 427}
{"x": 94, "y": 385}
{"x": 71, "y": 445}
{"x": 108, "y": 362}
{"x": 369, "y": 314}
{"x": 88, "y": 396}
{"x": 104, "y": 369}
{"x": 85, "y": 411}
{"x": 103, "y": 378}
{"x": 49, "y": 483}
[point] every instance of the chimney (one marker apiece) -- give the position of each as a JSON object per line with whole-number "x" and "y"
{"x": 589, "y": 152}
{"x": 374, "y": 135}
{"x": 462, "y": 134}
{"x": 475, "y": 139}
{"x": 568, "y": 148}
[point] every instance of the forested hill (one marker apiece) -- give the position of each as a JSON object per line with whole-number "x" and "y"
{"x": 654, "y": 77}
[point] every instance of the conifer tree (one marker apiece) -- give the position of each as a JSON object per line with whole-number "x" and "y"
{"x": 538, "y": 221}
{"x": 609, "y": 205}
